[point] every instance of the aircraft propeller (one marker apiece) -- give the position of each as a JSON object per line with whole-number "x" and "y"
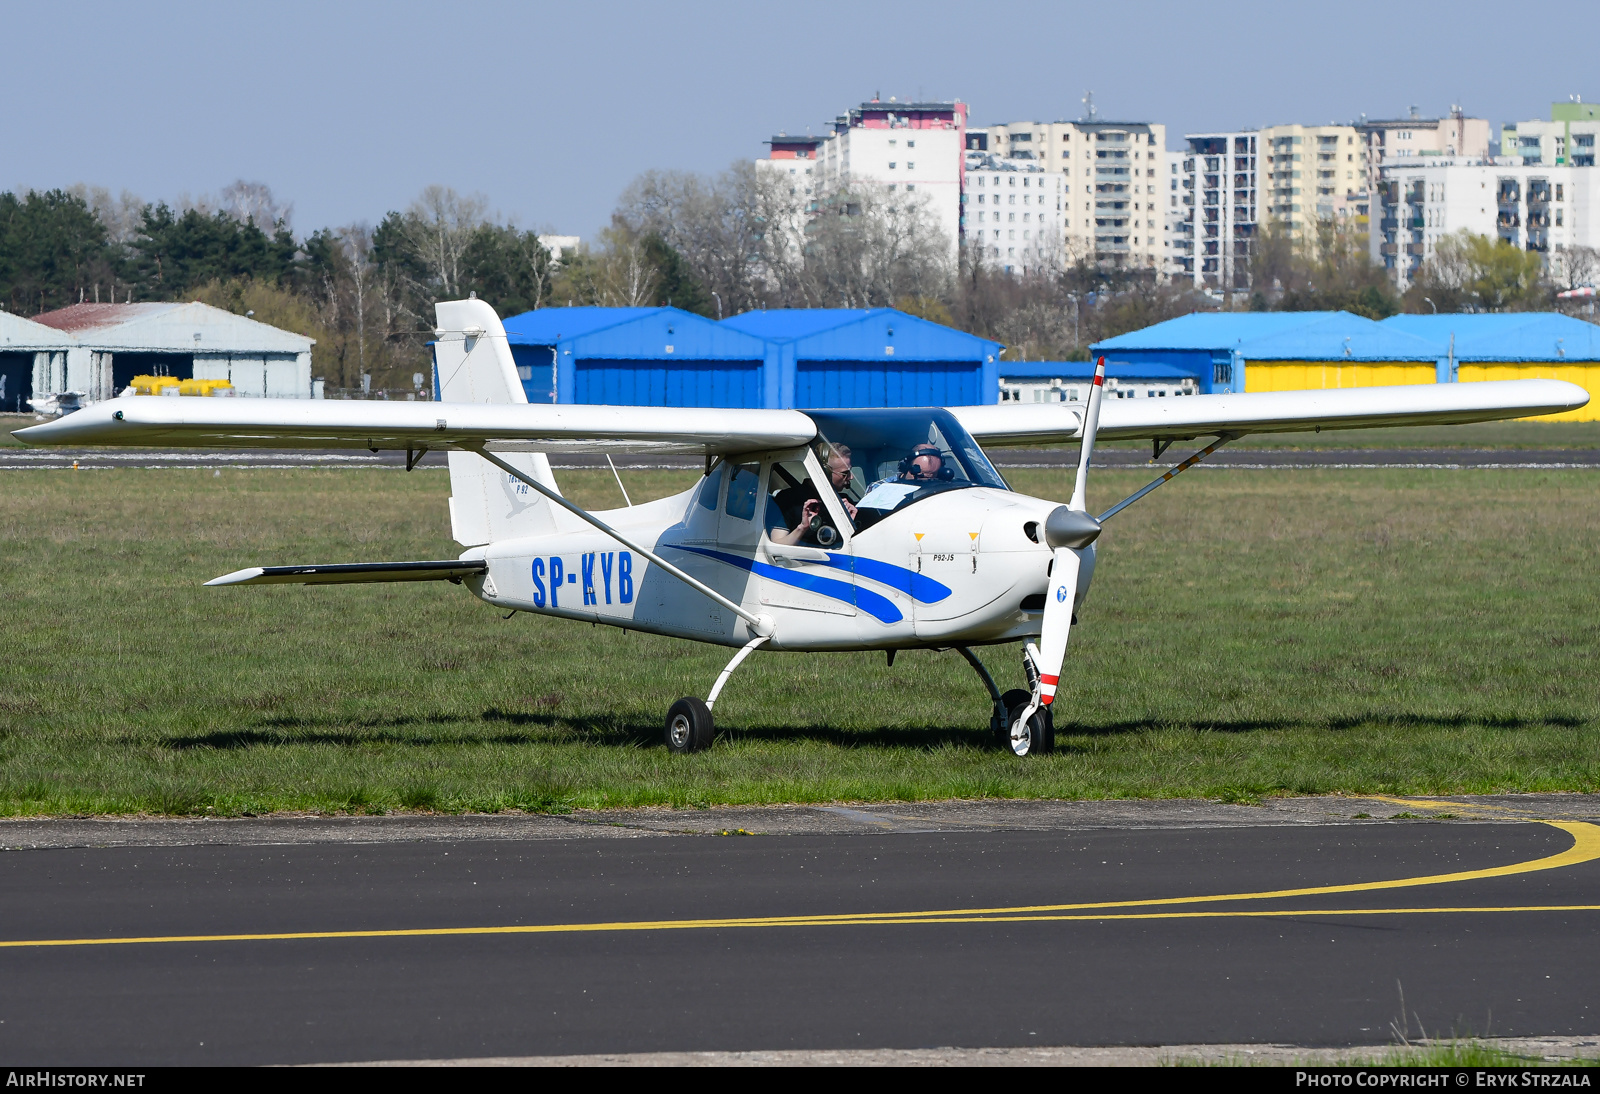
{"x": 1068, "y": 531}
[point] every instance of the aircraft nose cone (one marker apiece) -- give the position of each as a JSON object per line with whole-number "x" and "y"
{"x": 1069, "y": 528}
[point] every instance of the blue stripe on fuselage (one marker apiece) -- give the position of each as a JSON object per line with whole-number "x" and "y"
{"x": 924, "y": 590}
{"x": 879, "y": 607}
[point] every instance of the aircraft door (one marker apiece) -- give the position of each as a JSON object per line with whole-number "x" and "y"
{"x": 807, "y": 561}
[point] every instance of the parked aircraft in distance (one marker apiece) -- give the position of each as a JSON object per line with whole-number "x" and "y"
{"x": 883, "y": 529}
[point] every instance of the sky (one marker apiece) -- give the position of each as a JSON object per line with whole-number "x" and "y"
{"x": 349, "y": 109}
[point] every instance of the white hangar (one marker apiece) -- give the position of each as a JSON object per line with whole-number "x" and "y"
{"x": 97, "y": 349}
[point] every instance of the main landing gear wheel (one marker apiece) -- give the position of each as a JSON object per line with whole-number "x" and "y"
{"x": 689, "y": 726}
{"x": 1038, "y": 737}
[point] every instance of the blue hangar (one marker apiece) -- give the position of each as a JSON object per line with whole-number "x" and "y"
{"x": 1280, "y": 351}
{"x": 799, "y": 358}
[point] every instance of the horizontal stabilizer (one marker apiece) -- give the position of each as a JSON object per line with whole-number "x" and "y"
{"x": 348, "y": 573}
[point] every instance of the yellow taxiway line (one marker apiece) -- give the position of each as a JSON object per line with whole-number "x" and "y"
{"x": 1585, "y": 848}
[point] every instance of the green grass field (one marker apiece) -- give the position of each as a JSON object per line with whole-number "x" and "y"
{"x": 1249, "y": 634}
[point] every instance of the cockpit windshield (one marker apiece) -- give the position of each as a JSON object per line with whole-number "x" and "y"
{"x": 898, "y": 457}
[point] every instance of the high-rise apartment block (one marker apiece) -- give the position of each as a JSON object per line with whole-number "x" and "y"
{"x": 1032, "y": 196}
{"x": 795, "y": 157}
{"x": 1219, "y": 204}
{"x": 910, "y": 148}
{"x": 1540, "y": 194}
{"x": 1393, "y": 139}
{"x": 1308, "y": 168}
{"x": 1296, "y": 175}
{"x": 1567, "y": 139}
{"x": 1014, "y": 214}
{"x": 1112, "y": 174}
{"x": 1537, "y": 207}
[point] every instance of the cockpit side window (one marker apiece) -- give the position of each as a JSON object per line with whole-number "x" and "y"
{"x": 741, "y": 502}
{"x": 711, "y": 486}
{"x": 807, "y": 504}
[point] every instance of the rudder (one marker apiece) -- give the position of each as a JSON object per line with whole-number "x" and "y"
{"x": 473, "y": 364}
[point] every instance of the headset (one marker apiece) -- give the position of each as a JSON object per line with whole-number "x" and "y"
{"x": 945, "y": 472}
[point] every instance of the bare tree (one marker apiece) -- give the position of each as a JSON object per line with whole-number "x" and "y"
{"x": 716, "y": 224}
{"x": 757, "y": 238}
{"x": 869, "y": 247}
{"x": 356, "y": 243}
{"x": 1579, "y": 266}
{"x": 121, "y": 215}
{"x": 1326, "y": 267}
{"x": 440, "y": 225}
{"x": 253, "y": 203}
{"x": 619, "y": 276}
{"x": 630, "y": 278}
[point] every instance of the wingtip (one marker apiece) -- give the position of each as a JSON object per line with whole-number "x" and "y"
{"x": 238, "y": 577}
{"x": 23, "y": 434}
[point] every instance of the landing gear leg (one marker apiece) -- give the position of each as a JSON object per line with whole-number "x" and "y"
{"x": 997, "y": 717}
{"x": 689, "y": 724}
{"x": 1030, "y": 728}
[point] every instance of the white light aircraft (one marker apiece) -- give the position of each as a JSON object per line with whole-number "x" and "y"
{"x": 816, "y": 530}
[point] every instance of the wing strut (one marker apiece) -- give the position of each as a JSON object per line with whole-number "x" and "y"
{"x": 759, "y": 625}
{"x": 1168, "y": 476}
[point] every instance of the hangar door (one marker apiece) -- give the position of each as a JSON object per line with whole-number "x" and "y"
{"x": 16, "y": 382}
{"x": 821, "y": 384}
{"x": 125, "y": 366}
{"x": 1586, "y": 374}
{"x": 661, "y": 383}
{"x": 536, "y": 368}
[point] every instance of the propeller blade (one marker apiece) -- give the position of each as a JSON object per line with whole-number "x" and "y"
{"x": 1091, "y": 426}
{"x": 1057, "y": 627}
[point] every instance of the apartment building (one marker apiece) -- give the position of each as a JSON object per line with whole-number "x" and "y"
{"x": 1176, "y": 216}
{"x": 1545, "y": 208}
{"x": 1014, "y": 213}
{"x": 795, "y": 157}
{"x": 1219, "y": 204}
{"x": 1567, "y": 139}
{"x": 1111, "y": 181}
{"x": 1309, "y": 167}
{"x": 1390, "y": 139}
{"x": 1230, "y": 183}
{"x": 910, "y": 148}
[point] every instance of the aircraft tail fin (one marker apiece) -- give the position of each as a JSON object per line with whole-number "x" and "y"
{"x": 473, "y": 364}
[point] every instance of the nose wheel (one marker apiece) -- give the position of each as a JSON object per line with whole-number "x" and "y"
{"x": 1038, "y": 735}
{"x": 1034, "y": 737}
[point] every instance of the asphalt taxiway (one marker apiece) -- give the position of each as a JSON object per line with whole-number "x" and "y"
{"x": 1005, "y": 926}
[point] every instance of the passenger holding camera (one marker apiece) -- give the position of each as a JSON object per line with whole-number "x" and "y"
{"x": 802, "y": 506}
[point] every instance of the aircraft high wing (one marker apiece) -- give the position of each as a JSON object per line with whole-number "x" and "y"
{"x": 297, "y": 423}
{"x": 504, "y": 427}
{"x": 1273, "y": 412}
{"x": 872, "y": 529}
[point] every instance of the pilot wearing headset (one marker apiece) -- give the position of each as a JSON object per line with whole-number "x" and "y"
{"x": 925, "y": 464}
